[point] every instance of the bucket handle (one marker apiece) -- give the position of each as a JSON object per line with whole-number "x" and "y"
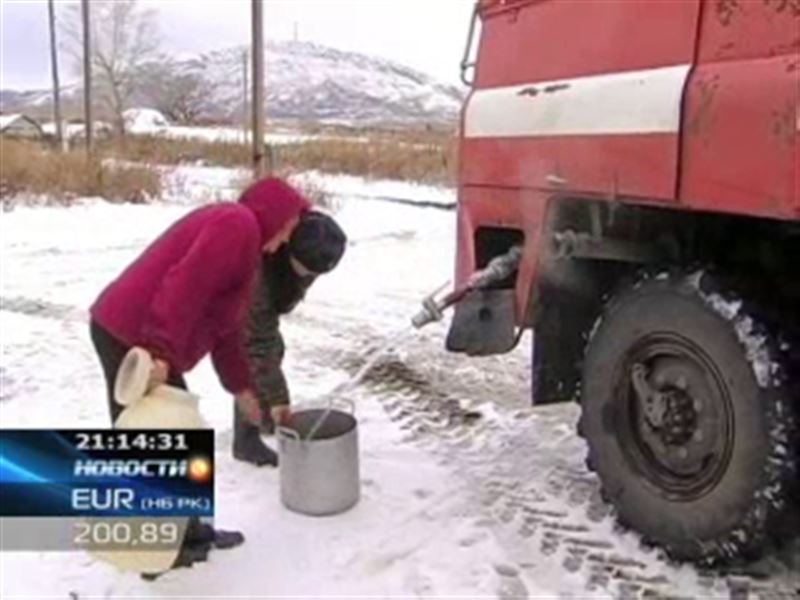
{"x": 291, "y": 433}
{"x": 288, "y": 432}
{"x": 349, "y": 404}
{"x": 321, "y": 419}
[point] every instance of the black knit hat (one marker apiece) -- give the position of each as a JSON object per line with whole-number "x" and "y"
{"x": 317, "y": 242}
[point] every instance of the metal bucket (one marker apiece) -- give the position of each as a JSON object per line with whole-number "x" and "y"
{"x": 319, "y": 476}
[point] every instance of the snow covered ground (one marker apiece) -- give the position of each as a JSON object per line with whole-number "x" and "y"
{"x": 207, "y": 134}
{"x": 226, "y": 134}
{"x": 148, "y": 121}
{"x": 467, "y": 490}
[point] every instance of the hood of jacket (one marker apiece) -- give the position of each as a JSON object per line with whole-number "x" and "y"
{"x": 274, "y": 203}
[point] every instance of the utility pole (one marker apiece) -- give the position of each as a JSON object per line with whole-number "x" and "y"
{"x": 87, "y": 78}
{"x": 51, "y": 11}
{"x": 245, "y": 95}
{"x": 259, "y": 168}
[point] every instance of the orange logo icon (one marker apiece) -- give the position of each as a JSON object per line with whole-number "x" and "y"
{"x": 199, "y": 469}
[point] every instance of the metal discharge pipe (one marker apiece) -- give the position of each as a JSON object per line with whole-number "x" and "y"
{"x": 498, "y": 269}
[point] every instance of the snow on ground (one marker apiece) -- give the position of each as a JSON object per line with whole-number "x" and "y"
{"x": 467, "y": 490}
{"x": 226, "y": 134}
{"x": 148, "y": 121}
{"x": 143, "y": 121}
{"x": 76, "y": 130}
{"x": 193, "y": 184}
{"x": 353, "y": 187}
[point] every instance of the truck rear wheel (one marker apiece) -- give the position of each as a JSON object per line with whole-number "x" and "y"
{"x": 688, "y": 419}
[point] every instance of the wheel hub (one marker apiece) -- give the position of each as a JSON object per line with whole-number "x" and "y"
{"x": 668, "y": 406}
{"x": 678, "y": 418}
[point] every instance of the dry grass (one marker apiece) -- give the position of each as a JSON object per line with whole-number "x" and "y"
{"x": 421, "y": 156}
{"x": 37, "y": 169}
{"x": 376, "y": 158}
{"x": 172, "y": 151}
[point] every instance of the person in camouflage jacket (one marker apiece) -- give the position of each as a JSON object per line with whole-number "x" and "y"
{"x": 315, "y": 247}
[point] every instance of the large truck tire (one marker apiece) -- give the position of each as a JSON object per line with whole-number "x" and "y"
{"x": 690, "y": 419}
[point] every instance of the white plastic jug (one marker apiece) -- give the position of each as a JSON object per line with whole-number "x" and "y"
{"x": 162, "y": 407}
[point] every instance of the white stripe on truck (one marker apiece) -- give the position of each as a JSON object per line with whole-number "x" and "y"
{"x": 630, "y": 102}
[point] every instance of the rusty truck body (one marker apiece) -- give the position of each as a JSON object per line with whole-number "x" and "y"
{"x": 642, "y": 157}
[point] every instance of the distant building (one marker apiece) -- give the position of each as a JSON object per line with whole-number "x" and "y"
{"x": 75, "y": 131}
{"x": 145, "y": 120}
{"x": 20, "y": 126}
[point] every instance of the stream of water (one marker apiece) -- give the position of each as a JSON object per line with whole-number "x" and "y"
{"x": 370, "y": 361}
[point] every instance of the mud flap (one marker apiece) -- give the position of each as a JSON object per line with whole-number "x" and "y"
{"x": 483, "y": 323}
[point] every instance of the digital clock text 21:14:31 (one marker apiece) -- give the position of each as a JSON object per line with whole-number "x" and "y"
{"x": 123, "y": 440}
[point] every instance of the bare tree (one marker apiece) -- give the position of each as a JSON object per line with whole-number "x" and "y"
{"x": 124, "y": 38}
{"x": 181, "y": 94}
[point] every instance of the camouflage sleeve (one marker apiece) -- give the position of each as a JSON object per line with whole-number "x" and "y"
{"x": 273, "y": 294}
{"x": 265, "y": 346}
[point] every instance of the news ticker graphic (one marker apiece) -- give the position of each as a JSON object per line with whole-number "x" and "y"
{"x": 106, "y": 473}
{"x": 115, "y": 488}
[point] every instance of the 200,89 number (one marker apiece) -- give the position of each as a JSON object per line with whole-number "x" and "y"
{"x": 102, "y": 533}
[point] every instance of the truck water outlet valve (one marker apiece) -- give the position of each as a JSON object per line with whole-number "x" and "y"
{"x": 498, "y": 269}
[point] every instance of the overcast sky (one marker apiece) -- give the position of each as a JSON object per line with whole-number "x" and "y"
{"x": 428, "y": 35}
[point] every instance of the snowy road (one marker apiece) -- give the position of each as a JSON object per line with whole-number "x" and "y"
{"x": 467, "y": 490}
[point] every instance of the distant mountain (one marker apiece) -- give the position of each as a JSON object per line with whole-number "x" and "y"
{"x": 35, "y": 101}
{"x": 304, "y": 82}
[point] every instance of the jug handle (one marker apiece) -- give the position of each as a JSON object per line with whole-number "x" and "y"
{"x": 137, "y": 362}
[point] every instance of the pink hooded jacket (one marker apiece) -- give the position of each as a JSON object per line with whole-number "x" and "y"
{"x": 186, "y": 295}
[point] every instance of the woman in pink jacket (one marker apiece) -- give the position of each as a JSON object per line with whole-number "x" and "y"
{"x": 187, "y": 296}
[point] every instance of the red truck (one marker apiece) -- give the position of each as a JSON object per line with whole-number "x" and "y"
{"x": 629, "y": 176}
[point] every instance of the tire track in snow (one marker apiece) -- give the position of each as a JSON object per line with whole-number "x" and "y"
{"x": 43, "y": 308}
{"x": 447, "y": 206}
{"x": 524, "y": 468}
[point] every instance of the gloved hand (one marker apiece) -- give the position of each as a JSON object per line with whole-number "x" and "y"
{"x": 159, "y": 373}
{"x": 281, "y": 414}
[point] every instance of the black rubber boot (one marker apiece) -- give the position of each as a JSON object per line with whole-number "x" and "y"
{"x": 267, "y": 426}
{"x": 197, "y": 543}
{"x": 192, "y": 553}
{"x": 188, "y": 555}
{"x": 198, "y": 532}
{"x": 247, "y": 444}
{"x": 224, "y": 540}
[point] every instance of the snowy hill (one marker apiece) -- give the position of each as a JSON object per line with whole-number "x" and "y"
{"x": 304, "y": 82}
{"x": 36, "y": 101}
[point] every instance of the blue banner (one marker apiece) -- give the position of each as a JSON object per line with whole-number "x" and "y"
{"x": 106, "y": 473}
